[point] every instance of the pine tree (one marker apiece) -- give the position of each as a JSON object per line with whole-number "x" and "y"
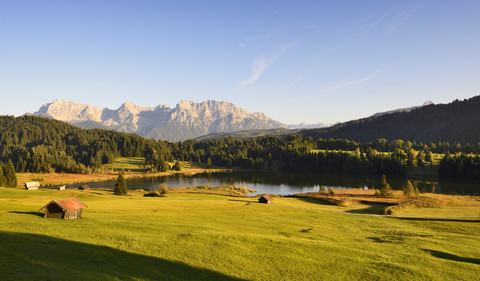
{"x": 385, "y": 189}
{"x": 10, "y": 175}
{"x": 3, "y": 181}
{"x": 408, "y": 189}
{"x": 120, "y": 186}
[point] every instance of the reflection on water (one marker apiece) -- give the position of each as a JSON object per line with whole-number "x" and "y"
{"x": 290, "y": 183}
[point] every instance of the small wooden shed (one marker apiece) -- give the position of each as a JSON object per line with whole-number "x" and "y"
{"x": 69, "y": 209}
{"x": 32, "y": 185}
{"x": 265, "y": 199}
{"x": 62, "y": 187}
{"x": 84, "y": 187}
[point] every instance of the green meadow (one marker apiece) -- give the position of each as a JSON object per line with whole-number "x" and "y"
{"x": 210, "y": 237}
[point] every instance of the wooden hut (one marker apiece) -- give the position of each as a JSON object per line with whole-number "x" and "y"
{"x": 266, "y": 199}
{"x": 84, "y": 187}
{"x": 34, "y": 185}
{"x": 69, "y": 209}
{"x": 62, "y": 187}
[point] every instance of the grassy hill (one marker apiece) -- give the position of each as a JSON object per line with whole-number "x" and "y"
{"x": 210, "y": 237}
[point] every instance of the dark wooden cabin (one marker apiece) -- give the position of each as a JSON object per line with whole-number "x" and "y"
{"x": 265, "y": 199}
{"x": 69, "y": 209}
{"x": 84, "y": 187}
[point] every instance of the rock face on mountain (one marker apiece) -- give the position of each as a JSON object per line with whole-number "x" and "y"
{"x": 187, "y": 120}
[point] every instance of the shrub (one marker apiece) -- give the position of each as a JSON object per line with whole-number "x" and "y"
{"x": 331, "y": 192}
{"x": 162, "y": 189}
{"x": 177, "y": 166}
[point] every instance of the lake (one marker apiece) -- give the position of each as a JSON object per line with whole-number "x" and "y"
{"x": 291, "y": 183}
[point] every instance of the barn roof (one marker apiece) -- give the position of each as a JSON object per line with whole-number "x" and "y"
{"x": 267, "y": 197}
{"x": 32, "y": 184}
{"x": 68, "y": 204}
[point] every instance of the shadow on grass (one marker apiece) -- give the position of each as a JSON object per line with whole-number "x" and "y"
{"x": 38, "y": 257}
{"x": 246, "y": 201}
{"x": 438, "y": 219}
{"x": 39, "y": 214}
{"x": 314, "y": 200}
{"x": 452, "y": 257}
{"x": 371, "y": 209}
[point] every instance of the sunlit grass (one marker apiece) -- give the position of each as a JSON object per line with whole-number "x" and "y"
{"x": 211, "y": 237}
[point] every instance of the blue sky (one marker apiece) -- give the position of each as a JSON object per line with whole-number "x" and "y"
{"x": 296, "y": 61}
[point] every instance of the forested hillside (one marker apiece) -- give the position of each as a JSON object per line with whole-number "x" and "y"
{"x": 454, "y": 122}
{"x": 44, "y": 145}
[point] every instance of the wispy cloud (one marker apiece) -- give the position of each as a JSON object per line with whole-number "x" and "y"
{"x": 272, "y": 9}
{"x": 403, "y": 17}
{"x": 348, "y": 83}
{"x": 370, "y": 28}
{"x": 298, "y": 79}
{"x": 243, "y": 44}
{"x": 397, "y": 22}
{"x": 358, "y": 81}
{"x": 262, "y": 63}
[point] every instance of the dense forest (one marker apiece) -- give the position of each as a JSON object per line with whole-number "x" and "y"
{"x": 43, "y": 145}
{"x": 295, "y": 153}
{"x": 454, "y": 122}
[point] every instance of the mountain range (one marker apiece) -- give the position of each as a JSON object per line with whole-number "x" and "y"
{"x": 187, "y": 120}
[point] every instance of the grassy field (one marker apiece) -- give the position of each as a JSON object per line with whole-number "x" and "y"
{"x": 133, "y": 164}
{"x": 209, "y": 237}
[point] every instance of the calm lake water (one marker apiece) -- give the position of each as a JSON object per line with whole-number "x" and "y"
{"x": 291, "y": 183}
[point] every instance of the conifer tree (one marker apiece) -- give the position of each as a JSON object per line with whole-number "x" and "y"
{"x": 10, "y": 175}
{"x": 408, "y": 189}
{"x": 3, "y": 182}
{"x": 385, "y": 189}
{"x": 120, "y": 186}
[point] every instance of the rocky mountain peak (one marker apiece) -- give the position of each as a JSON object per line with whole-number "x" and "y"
{"x": 189, "y": 119}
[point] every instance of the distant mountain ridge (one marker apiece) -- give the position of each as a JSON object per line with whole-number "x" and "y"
{"x": 457, "y": 121}
{"x": 187, "y": 120}
{"x": 407, "y": 109}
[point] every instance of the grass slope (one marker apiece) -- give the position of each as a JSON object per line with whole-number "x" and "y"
{"x": 209, "y": 237}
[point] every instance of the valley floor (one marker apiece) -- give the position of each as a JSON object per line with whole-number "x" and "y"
{"x": 209, "y": 237}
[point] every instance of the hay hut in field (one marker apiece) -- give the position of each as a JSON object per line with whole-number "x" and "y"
{"x": 84, "y": 187}
{"x": 62, "y": 187}
{"x": 266, "y": 199}
{"x": 69, "y": 209}
{"x": 34, "y": 185}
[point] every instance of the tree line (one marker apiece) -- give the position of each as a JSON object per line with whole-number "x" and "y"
{"x": 33, "y": 144}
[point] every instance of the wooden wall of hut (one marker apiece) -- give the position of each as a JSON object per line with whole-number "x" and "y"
{"x": 54, "y": 211}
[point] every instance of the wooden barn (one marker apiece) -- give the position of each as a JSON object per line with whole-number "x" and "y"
{"x": 69, "y": 209}
{"x": 62, "y": 187}
{"x": 34, "y": 185}
{"x": 265, "y": 199}
{"x": 84, "y": 187}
